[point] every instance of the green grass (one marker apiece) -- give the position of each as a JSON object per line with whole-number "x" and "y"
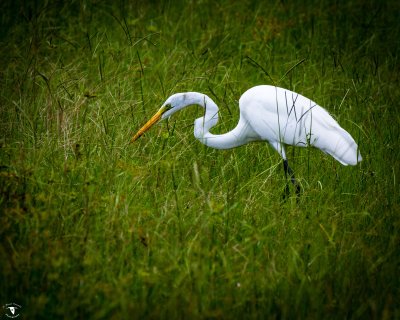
{"x": 94, "y": 227}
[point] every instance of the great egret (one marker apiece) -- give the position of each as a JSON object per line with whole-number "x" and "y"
{"x": 267, "y": 113}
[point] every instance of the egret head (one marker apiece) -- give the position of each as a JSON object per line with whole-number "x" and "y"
{"x": 170, "y": 106}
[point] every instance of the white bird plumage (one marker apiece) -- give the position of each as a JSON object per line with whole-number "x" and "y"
{"x": 267, "y": 113}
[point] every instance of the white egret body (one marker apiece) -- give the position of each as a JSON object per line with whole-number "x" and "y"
{"x": 268, "y": 113}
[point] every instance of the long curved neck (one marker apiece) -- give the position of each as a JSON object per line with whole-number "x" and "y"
{"x": 202, "y": 126}
{"x": 210, "y": 107}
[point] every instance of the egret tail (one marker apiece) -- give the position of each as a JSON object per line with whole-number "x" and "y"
{"x": 341, "y": 146}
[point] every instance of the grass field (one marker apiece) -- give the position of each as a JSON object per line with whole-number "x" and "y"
{"x": 92, "y": 227}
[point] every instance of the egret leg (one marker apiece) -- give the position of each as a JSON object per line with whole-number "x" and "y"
{"x": 281, "y": 150}
{"x": 288, "y": 170}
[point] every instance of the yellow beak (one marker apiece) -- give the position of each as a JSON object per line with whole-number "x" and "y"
{"x": 154, "y": 119}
